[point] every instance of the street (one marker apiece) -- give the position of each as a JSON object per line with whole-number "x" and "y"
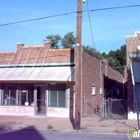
{"x": 34, "y": 134}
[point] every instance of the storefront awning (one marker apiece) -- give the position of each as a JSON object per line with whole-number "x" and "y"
{"x": 59, "y": 74}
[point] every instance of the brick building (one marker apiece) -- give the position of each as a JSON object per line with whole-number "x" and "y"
{"x": 38, "y": 80}
{"x": 132, "y": 74}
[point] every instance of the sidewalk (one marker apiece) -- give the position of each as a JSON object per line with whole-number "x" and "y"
{"x": 92, "y": 125}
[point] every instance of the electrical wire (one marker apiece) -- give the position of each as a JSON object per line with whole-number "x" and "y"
{"x": 93, "y": 43}
{"x": 52, "y": 16}
{"x": 41, "y": 18}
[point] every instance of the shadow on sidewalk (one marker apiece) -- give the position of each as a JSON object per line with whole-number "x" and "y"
{"x": 28, "y": 133}
{"x": 123, "y": 123}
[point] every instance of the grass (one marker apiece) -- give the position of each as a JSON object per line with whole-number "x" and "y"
{"x": 49, "y": 127}
{"x": 103, "y": 119}
{"x": 83, "y": 127}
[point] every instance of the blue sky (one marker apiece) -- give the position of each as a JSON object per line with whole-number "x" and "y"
{"x": 109, "y": 27}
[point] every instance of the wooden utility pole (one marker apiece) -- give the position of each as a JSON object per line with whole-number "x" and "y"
{"x": 78, "y": 80}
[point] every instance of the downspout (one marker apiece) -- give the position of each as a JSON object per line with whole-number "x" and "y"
{"x": 102, "y": 91}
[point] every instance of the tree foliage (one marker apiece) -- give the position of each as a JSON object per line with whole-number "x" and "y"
{"x": 55, "y": 39}
{"x": 68, "y": 41}
{"x": 93, "y": 52}
{"x": 116, "y": 59}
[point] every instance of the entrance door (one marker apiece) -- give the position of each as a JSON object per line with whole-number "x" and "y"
{"x": 41, "y": 101}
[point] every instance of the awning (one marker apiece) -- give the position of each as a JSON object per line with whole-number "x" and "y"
{"x": 66, "y": 73}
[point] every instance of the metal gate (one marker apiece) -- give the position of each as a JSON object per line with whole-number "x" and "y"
{"x": 114, "y": 108}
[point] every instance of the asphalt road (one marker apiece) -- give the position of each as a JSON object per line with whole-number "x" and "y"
{"x": 45, "y": 135}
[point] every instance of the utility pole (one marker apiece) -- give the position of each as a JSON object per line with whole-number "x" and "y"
{"x": 78, "y": 80}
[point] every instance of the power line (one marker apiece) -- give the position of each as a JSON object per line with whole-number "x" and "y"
{"x": 90, "y": 25}
{"x": 52, "y": 16}
{"x": 28, "y": 20}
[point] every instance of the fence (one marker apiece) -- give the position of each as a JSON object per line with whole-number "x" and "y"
{"x": 91, "y": 108}
{"x": 114, "y": 108}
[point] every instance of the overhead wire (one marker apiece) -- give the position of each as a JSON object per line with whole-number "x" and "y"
{"x": 64, "y": 14}
{"x": 93, "y": 43}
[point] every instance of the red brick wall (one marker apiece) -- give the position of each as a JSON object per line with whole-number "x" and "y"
{"x": 6, "y": 57}
{"x": 90, "y": 76}
{"x": 95, "y": 73}
{"x": 37, "y": 54}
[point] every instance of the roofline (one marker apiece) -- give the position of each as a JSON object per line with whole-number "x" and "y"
{"x": 38, "y": 65}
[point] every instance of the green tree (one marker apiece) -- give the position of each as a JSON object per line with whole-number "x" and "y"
{"x": 55, "y": 39}
{"x": 93, "y": 52}
{"x": 68, "y": 41}
{"x": 117, "y": 59}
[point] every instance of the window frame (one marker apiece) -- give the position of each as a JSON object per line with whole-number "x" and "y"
{"x": 17, "y": 89}
{"x": 58, "y": 92}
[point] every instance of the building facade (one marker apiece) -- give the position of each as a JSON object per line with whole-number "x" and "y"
{"x": 38, "y": 80}
{"x": 132, "y": 74}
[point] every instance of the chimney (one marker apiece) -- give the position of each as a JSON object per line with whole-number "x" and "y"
{"x": 48, "y": 44}
{"x": 20, "y": 45}
{"x": 105, "y": 61}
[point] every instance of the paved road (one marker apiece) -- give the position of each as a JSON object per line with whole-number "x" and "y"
{"x": 45, "y": 135}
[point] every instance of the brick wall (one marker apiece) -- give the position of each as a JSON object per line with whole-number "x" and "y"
{"x": 132, "y": 42}
{"x": 37, "y": 54}
{"x": 6, "y": 57}
{"x": 17, "y": 110}
{"x": 97, "y": 73}
{"x": 57, "y": 112}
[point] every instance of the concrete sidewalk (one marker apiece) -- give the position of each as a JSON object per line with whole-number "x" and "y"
{"x": 94, "y": 125}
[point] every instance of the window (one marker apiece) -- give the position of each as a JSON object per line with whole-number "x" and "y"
{"x": 57, "y": 95}
{"x": 93, "y": 90}
{"x": 9, "y": 95}
{"x": 17, "y": 95}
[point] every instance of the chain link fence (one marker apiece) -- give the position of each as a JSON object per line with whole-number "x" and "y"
{"x": 114, "y": 108}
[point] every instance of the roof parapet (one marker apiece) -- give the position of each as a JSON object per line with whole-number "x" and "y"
{"x": 135, "y": 34}
{"x": 20, "y": 45}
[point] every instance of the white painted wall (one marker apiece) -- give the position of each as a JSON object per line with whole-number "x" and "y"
{"x": 132, "y": 115}
{"x": 17, "y": 110}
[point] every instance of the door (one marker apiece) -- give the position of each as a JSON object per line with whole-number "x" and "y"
{"x": 41, "y": 101}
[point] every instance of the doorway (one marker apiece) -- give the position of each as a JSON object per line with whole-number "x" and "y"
{"x": 41, "y": 101}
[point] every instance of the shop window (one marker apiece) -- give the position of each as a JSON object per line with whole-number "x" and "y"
{"x": 57, "y": 95}
{"x": 13, "y": 95}
{"x": 9, "y": 96}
